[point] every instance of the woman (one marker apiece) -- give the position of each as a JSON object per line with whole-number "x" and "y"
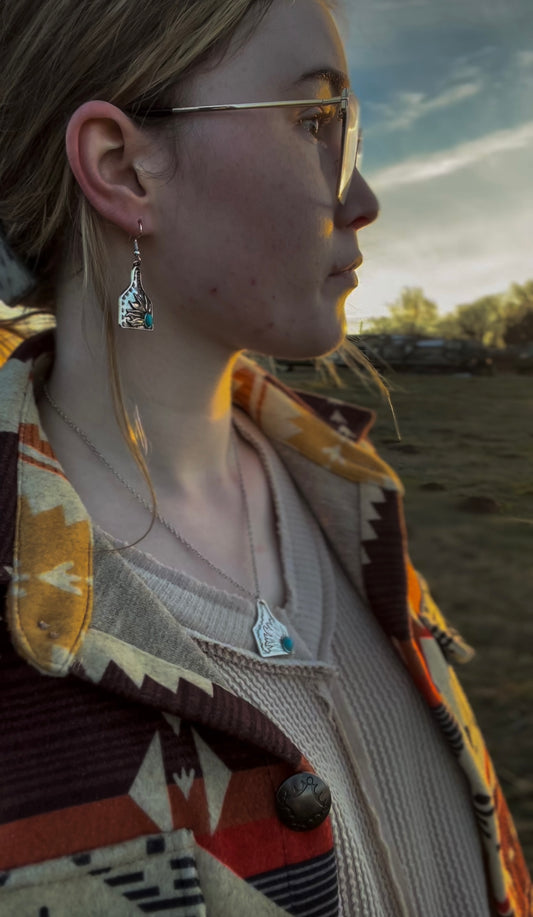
{"x": 264, "y": 650}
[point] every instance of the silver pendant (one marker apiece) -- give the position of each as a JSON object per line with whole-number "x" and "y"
{"x": 134, "y": 305}
{"x": 271, "y": 636}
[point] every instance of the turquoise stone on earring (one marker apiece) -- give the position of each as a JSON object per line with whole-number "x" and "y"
{"x": 287, "y": 644}
{"x": 148, "y": 321}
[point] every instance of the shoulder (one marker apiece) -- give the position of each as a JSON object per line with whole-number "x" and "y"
{"x": 350, "y": 419}
{"x": 24, "y": 345}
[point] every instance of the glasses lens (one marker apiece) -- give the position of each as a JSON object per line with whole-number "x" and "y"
{"x": 351, "y": 147}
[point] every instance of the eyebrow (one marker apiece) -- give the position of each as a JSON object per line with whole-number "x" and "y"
{"x": 337, "y": 79}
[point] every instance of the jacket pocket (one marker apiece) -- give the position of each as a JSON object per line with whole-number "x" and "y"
{"x": 156, "y": 874}
{"x": 161, "y": 874}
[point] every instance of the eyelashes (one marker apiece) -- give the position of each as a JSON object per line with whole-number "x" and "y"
{"x": 315, "y": 123}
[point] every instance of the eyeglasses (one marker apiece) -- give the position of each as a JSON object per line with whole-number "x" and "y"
{"x": 348, "y": 113}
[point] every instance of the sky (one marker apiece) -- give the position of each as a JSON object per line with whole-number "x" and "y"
{"x": 446, "y": 91}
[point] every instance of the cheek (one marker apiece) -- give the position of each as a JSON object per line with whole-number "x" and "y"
{"x": 260, "y": 192}
{"x": 248, "y": 226}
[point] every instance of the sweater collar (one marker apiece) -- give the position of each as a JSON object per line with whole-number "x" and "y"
{"x": 46, "y": 542}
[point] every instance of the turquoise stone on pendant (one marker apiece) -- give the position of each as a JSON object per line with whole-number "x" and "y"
{"x": 148, "y": 321}
{"x": 287, "y": 644}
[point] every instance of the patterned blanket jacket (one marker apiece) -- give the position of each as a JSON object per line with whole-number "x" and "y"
{"x": 134, "y": 783}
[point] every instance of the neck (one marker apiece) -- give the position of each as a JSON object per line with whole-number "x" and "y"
{"x": 177, "y": 385}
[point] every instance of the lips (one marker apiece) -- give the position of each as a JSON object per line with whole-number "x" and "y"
{"x": 352, "y": 266}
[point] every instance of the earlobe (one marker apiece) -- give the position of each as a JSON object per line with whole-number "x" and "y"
{"x": 102, "y": 146}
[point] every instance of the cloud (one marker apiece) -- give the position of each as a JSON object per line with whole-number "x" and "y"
{"x": 419, "y": 169}
{"x": 382, "y": 6}
{"x": 448, "y": 89}
{"x": 425, "y": 35}
{"x": 463, "y": 235}
{"x": 524, "y": 59}
{"x": 406, "y": 108}
{"x": 465, "y": 71}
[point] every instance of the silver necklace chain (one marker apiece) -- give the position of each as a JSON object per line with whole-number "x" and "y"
{"x": 161, "y": 519}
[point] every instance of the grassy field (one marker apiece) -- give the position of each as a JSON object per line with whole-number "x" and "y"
{"x": 466, "y": 460}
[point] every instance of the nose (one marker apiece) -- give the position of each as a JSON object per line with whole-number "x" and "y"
{"x": 361, "y": 206}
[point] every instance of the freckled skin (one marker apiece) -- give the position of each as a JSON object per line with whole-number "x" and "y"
{"x": 252, "y": 213}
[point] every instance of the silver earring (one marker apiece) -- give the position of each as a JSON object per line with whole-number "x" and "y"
{"x": 134, "y": 306}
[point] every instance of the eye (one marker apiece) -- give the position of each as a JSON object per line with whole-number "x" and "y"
{"x": 316, "y": 122}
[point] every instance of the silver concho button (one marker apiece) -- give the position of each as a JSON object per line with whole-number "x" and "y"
{"x": 303, "y": 802}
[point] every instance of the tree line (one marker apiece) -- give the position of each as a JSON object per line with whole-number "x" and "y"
{"x": 497, "y": 320}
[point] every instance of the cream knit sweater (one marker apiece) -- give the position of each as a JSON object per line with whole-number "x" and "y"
{"x": 405, "y": 835}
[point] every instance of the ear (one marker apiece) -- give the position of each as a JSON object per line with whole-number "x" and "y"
{"x": 104, "y": 148}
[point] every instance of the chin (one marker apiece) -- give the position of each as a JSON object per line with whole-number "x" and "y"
{"x": 314, "y": 340}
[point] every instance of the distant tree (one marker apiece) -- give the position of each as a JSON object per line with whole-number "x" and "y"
{"x": 520, "y": 295}
{"x": 382, "y": 325}
{"x": 518, "y": 313}
{"x": 411, "y": 313}
{"x": 494, "y": 320}
{"x": 480, "y": 321}
{"x": 520, "y": 331}
{"x": 448, "y": 327}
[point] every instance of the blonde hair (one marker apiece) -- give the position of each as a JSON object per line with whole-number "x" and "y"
{"x": 55, "y": 55}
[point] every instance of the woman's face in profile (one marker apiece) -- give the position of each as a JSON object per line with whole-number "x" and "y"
{"x": 253, "y": 236}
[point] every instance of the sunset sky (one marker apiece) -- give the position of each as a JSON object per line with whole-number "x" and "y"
{"x": 446, "y": 88}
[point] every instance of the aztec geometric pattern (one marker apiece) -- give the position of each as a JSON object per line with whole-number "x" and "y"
{"x": 316, "y": 882}
{"x": 126, "y": 746}
{"x": 109, "y": 757}
{"x": 154, "y": 875}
